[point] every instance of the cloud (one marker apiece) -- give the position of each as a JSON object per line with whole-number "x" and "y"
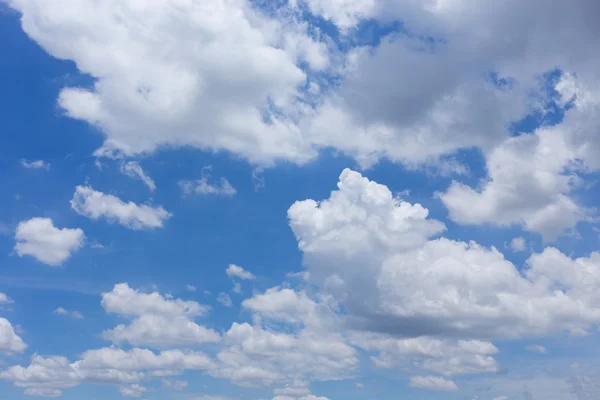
{"x": 10, "y": 342}
{"x": 37, "y": 164}
{"x": 190, "y": 288}
{"x": 375, "y": 253}
{"x": 108, "y": 365}
{"x": 518, "y": 244}
{"x": 432, "y": 383}
{"x": 175, "y": 92}
{"x": 537, "y": 348}
{"x": 157, "y": 320}
{"x": 446, "y": 357}
{"x": 224, "y": 299}
{"x": 71, "y": 314}
{"x": 39, "y": 238}
{"x": 135, "y": 390}
{"x": 175, "y": 385}
{"x": 234, "y": 271}
{"x": 133, "y": 169}
{"x": 202, "y": 186}
{"x": 5, "y": 300}
{"x": 95, "y": 205}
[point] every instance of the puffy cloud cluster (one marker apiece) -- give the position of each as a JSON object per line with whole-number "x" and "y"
{"x": 157, "y": 320}
{"x": 48, "y": 376}
{"x": 375, "y": 254}
{"x": 10, "y": 342}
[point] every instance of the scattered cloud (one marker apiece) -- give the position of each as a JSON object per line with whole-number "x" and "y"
{"x": 133, "y": 169}
{"x": 190, "y": 288}
{"x": 95, "y": 205}
{"x": 37, "y": 164}
{"x": 537, "y": 348}
{"x": 432, "y": 383}
{"x": 518, "y": 244}
{"x": 10, "y": 342}
{"x": 71, "y": 314}
{"x": 40, "y": 239}
{"x": 235, "y": 271}
{"x": 224, "y": 299}
{"x": 202, "y": 186}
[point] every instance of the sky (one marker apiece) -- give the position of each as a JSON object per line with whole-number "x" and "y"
{"x": 299, "y": 199}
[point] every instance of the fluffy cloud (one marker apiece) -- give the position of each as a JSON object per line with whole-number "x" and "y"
{"x": 4, "y": 299}
{"x": 10, "y": 342}
{"x": 48, "y": 376}
{"x": 235, "y": 271}
{"x": 39, "y": 238}
{"x": 37, "y": 164}
{"x": 518, "y": 244}
{"x": 429, "y": 354}
{"x": 374, "y": 253}
{"x": 133, "y": 169}
{"x": 433, "y": 383}
{"x": 135, "y": 390}
{"x": 157, "y": 320}
{"x": 208, "y": 84}
{"x": 95, "y": 205}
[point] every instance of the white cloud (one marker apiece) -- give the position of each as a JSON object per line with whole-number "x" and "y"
{"x": 202, "y": 186}
{"x": 133, "y": 169}
{"x": 373, "y": 252}
{"x": 446, "y": 357}
{"x": 518, "y": 244}
{"x": 10, "y": 342}
{"x": 157, "y": 320}
{"x": 207, "y": 85}
{"x": 94, "y": 205}
{"x": 5, "y": 300}
{"x": 235, "y": 271}
{"x": 537, "y": 348}
{"x": 108, "y": 365}
{"x": 39, "y": 238}
{"x": 37, "y": 164}
{"x": 432, "y": 383}
{"x": 135, "y": 390}
{"x": 224, "y": 299}
{"x": 71, "y": 314}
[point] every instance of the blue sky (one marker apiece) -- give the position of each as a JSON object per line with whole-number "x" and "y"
{"x": 303, "y": 200}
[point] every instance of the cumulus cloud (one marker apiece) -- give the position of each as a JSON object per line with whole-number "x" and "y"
{"x": 133, "y": 169}
{"x": 39, "y": 238}
{"x": 518, "y": 244}
{"x": 37, "y": 164}
{"x": 109, "y": 365}
{"x": 157, "y": 320}
{"x": 4, "y": 299}
{"x": 95, "y": 205}
{"x": 135, "y": 390}
{"x": 432, "y": 383}
{"x": 374, "y": 253}
{"x": 67, "y": 313}
{"x": 235, "y": 271}
{"x": 181, "y": 92}
{"x": 10, "y": 342}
